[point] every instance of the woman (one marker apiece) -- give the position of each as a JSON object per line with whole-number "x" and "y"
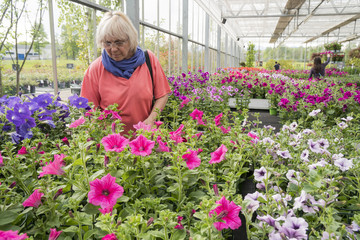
{"x": 121, "y": 75}
{"x": 318, "y": 70}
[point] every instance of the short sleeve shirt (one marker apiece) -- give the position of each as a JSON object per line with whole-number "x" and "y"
{"x": 134, "y": 95}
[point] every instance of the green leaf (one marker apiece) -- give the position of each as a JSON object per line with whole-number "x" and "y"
{"x": 72, "y": 229}
{"x": 123, "y": 198}
{"x": 179, "y": 234}
{"x": 158, "y": 234}
{"x": 88, "y": 234}
{"x": 91, "y": 209}
{"x": 78, "y": 162}
{"x": 95, "y": 175}
{"x": 173, "y": 188}
{"x": 7, "y": 217}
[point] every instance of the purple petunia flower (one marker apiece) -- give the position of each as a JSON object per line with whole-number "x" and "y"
{"x": 78, "y": 102}
{"x": 314, "y": 146}
{"x": 294, "y": 228}
{"x": 305, "y": 155}
{"x": 343, "y": 163}
{"x": 284, "y": 154}
{"x": 260, "y": 174}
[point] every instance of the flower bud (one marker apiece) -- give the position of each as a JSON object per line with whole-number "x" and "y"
{"x": 38, "y": 146}
{"x": 71, "y": 214}
{"x": 65, "y": 141}
{"x": 113, "y": 127}
{"x": 57, "y": 194}
{"x": 106, "y": 161}
{"x": 58, "y": 147}
{"x": 149, "y": 222}
{"x": 97, "y": 147}
{"x": 216, "y": 190}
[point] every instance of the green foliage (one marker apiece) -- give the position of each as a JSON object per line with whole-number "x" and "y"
{"x": 284, "y": 64}
{"x": 250, "y": 55}
{"x": 333, "y": 46}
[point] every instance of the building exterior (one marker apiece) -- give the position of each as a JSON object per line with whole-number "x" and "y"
{"x": 22, "y": 49}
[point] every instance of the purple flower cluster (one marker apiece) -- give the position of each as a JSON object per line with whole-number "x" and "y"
{"x": 19, "y": 115}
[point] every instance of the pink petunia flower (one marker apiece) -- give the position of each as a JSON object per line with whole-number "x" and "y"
{"x": 77, "y": 123}
{"x": 158, "y": 123}
{"x": 106, "y": 210}
{"x": 141, "y": 146}
{"x": 142, "y": 125}
{"x": 54, "y": 168}
{"x": 228, "y": 212}
{"x": 197, "y": 115}
{"x": 12, "y": 235}
{"x": 114, "y": 142}
{"x": 54, "y": 234}
{"x": 65, "y": 141}
{"x": 225, "y": 130}
{"x": 192, "y": 159}
{"x": 162, "y": 145}
{"x": 105, "y": 113}
{"x": 110, "y": 237}
{"x": 22, "y": 151}
{"x": 105, "y": 192}
{"x": 218, "y": 155}
{"x": 253, "y": 136}
{"x": 34, "y": 200}
{"x": 176, "y": 135}
{"x": 218, "y": 119}
{"x": 184, "y": 102}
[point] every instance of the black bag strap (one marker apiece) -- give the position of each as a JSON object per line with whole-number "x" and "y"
{"x": 148, "y": 63}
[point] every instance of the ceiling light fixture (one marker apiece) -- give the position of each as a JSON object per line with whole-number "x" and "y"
{"x": 223, "y": 20}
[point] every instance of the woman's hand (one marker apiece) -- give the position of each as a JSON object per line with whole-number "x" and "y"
{"x": 328, "y": 55}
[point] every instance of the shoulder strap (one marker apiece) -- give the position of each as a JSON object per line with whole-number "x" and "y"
{"x": 148, "y": 63}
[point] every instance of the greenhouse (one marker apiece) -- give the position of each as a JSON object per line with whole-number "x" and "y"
{"x": 181, "y": 119}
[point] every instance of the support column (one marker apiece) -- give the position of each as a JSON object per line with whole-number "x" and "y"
{"x": 218, "y": 55}
{"x": 185, "y": 36}
{"x": 226, "y": 50}
{"x": 207, "y": 36}
{"x": 132, "y": 11}
{"x": 53, "y": 47}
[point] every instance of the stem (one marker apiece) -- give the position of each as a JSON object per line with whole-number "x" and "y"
{"x": 180, "y": 186}
{"x": 145, "y": 174}
{"x": 83, "y": 159}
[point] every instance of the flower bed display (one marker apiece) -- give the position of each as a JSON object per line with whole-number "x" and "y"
{"x": 66, "y": 171}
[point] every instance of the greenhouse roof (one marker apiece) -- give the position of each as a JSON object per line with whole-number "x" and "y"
{"x": 289, "y": 22}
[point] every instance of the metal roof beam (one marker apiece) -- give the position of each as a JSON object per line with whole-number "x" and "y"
{"x": 91, "y": 5}
{"x": 334, "y": 28}
{"x": 291, "y": 15}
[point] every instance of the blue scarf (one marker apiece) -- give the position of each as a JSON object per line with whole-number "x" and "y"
{"x": 126, "y": 67}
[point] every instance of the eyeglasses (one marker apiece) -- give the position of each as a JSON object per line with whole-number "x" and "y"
{"x": 117, "y": 43}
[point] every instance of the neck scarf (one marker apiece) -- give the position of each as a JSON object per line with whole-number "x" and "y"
{"x": 123, "y": 68}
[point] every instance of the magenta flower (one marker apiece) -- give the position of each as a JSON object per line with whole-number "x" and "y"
{"x": 142, "y": 125}
{"x": 22, "y": 151}
{"x": 12, "y": 235}
{"x": 225, "y": 130}
{"x": 106, "y": 210}
{"x": 228, "y": 212}
{"x": 218, "y": 119}
{"x": 218, "y": 155}
{"x": 110, "y": 237}
{"x": 54, "y": 168}
{"x": 158, "y": 123}
{"x": 141, "y": 146}
{"x": 105, "y": 192}
{"x": 197, "y": 115}
{"x": 77, "y": 123}
{"x": 162, "y": 145}
{"x": 1, "y": 161}
{"x": 114, "y": 142}
{"x": 192, "y": 159}
{"x": 34, "y": 200}
{"x": 54, "y": 234}
{"x": 65, "y": 141}
{"x": 176, "y": 135}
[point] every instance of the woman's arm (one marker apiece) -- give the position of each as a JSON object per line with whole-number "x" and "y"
{"x": 311, "y": 73}
{"x": 158, "y": 107}
{"x": 327, "y": 61}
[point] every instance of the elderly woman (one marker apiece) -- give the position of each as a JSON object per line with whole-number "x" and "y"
{"x": 122, "y": 76}
{"x": 318, "y": 70}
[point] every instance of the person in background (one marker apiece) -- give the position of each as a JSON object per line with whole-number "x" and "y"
{"x": 277, "y": 66}
{"x": 318, "y": 69}
{"x": 122, "y": 76}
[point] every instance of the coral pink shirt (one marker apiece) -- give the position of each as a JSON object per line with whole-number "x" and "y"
{"x": 134, "y": 95}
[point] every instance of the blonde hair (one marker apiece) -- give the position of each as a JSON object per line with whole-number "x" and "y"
{"x": 116, "y": 25}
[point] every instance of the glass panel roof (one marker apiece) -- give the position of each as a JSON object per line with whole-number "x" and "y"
{"x": 288, "y": 22}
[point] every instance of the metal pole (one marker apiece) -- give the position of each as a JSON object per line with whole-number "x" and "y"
{"x": 207, "y": 37}
{"x": 305, "y": 55}
{"x": 94, "y": 24}
{"x": 53, "y": 49}
{"x": 185, "y": 36}
{"x": 218, "y": 56}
